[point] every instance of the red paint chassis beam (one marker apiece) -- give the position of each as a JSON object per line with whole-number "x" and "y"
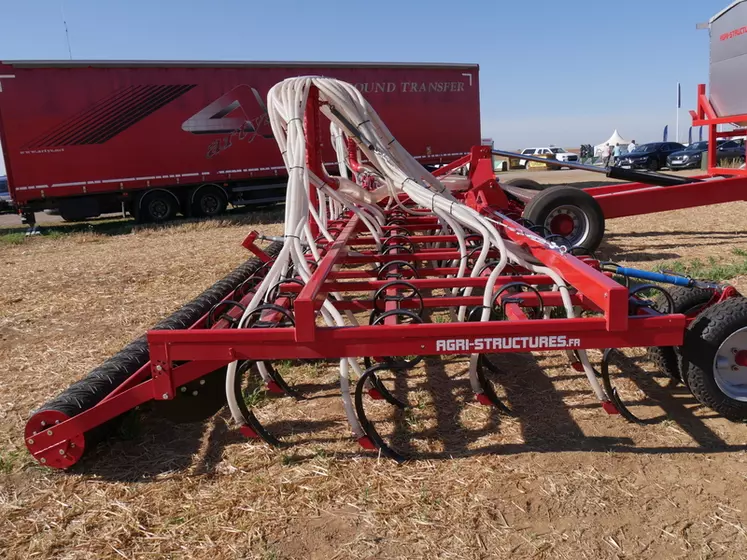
{"x": 606, "y": 294}
{"x": 422, "y": 283}
{"x": 423, "y": 339}
{"x": 312, "y": 295}
{"x": 660, "y": 199}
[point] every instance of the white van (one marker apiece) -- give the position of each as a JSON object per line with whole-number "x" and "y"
{"x": 560, "y": 154}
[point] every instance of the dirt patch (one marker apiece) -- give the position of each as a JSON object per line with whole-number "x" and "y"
{"x": 559, "y": 479}
{"x": 710, "y": 234}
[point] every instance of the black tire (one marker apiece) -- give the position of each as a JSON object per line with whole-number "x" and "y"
{"x": 72, "y": 217}
{"x": 702, "y": 341}
{"x": 157, "y": 206}
{"x": 209, "y": 201}
{"x": 686, "y": 300}
{"x": 524, "y": 184}
{"x": 541, "y": 207}
{"x": 653, "y": 164}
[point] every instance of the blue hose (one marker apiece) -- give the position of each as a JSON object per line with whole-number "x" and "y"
{"x": 655, "y": 276}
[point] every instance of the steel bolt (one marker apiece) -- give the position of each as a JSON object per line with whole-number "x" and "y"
{"x": 165, "y": 396}
{"x": 195, "y": 393}
{"x": 31, "y": 441}
{"x": 184, "y": 389}
{"x": 49, "y": 432}
{"x": 734, "y": 351}
{"x": 72, "y": 445}
{"x": 62, "y": 451}
{"x": 202, "y": 381}
{"x": 43, "y": 423}
{"x": 159, "y": 368}
{"x": 42, "y": 460}
{"x": 734, "y": 368}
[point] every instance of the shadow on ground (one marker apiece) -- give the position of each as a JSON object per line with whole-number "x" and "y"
{"x": 545, "y": 421}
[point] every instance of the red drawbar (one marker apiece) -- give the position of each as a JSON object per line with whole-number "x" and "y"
{"x": 249, "y": 244}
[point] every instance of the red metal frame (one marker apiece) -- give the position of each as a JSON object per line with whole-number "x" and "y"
{"x": 347, "y": 267}
{"x": 705, "y": 115}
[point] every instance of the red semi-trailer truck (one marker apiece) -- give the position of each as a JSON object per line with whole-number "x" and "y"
{"x": 162, "y": 138}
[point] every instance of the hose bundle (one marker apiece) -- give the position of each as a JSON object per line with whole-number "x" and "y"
{"x": 399, "y": 173}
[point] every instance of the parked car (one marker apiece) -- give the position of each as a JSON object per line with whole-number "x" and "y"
{"x": 5, "y": 203}
{"x": 693, "y": 154}
{"x": 559, "y": 153}
{"x": 651, "y": 156}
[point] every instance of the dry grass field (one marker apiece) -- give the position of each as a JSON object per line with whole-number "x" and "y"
{"x": 560, "y": 479}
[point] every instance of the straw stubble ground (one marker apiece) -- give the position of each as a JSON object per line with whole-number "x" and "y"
{"x": 561, "y": 479}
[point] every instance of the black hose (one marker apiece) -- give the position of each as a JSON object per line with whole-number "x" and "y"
{"x": 102, "y": 380}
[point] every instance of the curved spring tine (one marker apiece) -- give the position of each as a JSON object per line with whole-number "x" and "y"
{"x": 366, "y": 425}
{"x": 645, "y": 302}
{"x": 399, "y": 363}
{"x": 377, "y": 385}
{"x": 614, "y": 395}
{"x": 282, "y": 383}
{"x": 251, "y": 420}
{"x": 517, "y": 286}
{"x": 487, "y": 389}
{"x": 490, "y": 366}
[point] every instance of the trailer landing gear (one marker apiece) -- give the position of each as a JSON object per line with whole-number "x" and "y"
{"x": 29, "y": 218}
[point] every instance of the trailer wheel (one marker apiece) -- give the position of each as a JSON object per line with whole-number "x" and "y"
{"x": 524, "y": 184}
{"x": 209, "y": 201}
{"x": 157, "y": 206}
{"x": 688, "y": 301}
{"x": 716, "y": 348}
{"x": 569, "y": 212}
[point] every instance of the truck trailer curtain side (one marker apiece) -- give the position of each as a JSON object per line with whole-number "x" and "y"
{"x": 172, "y": 137}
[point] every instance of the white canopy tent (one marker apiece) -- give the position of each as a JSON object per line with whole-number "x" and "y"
{"x": 614, "y": 139}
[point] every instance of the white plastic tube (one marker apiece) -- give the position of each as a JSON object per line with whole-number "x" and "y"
{"x": 398, "y": 171}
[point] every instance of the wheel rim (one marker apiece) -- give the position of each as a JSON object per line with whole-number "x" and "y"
{"x": 569, "y": 221}
{"x": 209, "y": 204}
{"x": 730, "y": 366}
{"x": 159, "y": 209}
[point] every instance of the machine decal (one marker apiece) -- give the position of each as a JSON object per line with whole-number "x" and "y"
{"x": 506, "y": 343}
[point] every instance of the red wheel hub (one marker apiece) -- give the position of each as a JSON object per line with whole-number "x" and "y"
{"x": 562, "y": 224}
{"x": 741, "y": 358}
